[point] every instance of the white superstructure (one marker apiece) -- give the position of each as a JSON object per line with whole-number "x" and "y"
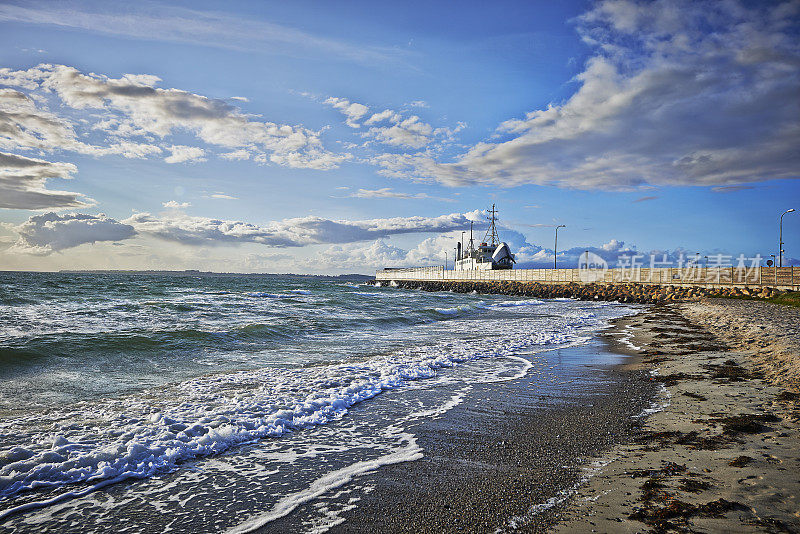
{"x": 490, "y": 254}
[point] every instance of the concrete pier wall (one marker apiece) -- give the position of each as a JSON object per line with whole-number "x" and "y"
{"x": 785, "y": 278}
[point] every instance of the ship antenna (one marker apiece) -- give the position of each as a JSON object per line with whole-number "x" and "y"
{"x": 491, "y": 232}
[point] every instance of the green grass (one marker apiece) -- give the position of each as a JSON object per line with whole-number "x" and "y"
{"x": 790, "y": 298}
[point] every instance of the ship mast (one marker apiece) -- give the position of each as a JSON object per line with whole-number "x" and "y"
{"x": 491, "y": 232}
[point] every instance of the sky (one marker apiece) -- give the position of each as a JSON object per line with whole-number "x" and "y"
{"x": 344, "y": 137}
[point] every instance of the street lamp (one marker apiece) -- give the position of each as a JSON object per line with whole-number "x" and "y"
{"x": 462, "y": 243}
{"x": 780, "y": 239}
{"x": 445, "y": 260}
{"x": 555, "y": 246}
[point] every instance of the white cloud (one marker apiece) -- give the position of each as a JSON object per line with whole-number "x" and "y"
{"x": 391, "y": 128}
{"x": 410, "y": 132}
{"x": 431, "y": 251}
{"x": 174, "y": 204}
{"x": 44, "y": 234}
{"x": 352, "y": 110}
{"x": 222, "y": 196}
{"x": 164, "y": 22}
{"x": 239, "y": 155}
{"x": 131, "y": 109}
{"x": 678, "y": 93}
{"x": 359, "y": 256}
{"x": 22, "y": 184}
{"x": 295, "y": 232}
{"x": 387, "y": 192}
{"x": 385, "y": 115}
{"x": 50, "y": 232}
{"x": 183, "y": 154}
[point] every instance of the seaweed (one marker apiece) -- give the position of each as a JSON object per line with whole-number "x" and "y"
{"x": 740, "y": 461}
{"x": 695, "y": 395}
{"x": 730, "y": 370}
{"x": 693, "y": 486}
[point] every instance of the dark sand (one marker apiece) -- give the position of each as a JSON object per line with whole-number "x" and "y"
{"x": 508, "y": 457}
{"x": 723, "y": 455}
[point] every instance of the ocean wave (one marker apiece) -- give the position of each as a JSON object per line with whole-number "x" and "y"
{"x": 138, "y": 437}
{"x": 514, "y": 303}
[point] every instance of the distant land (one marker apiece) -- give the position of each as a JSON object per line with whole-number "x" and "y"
{"x": 193, "y": 272}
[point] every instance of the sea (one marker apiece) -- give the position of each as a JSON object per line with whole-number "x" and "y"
{"x": 134, "y": 402}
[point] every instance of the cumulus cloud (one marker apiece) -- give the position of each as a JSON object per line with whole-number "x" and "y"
{"x": 677, "y": 93}
{"x": 296, "y": 232}
{"x": 183, "y": 154}
{"x": 174, "y": 204}
{"x": 43, "y": 234}
{"x": 22, "y": 184}
{"x": 352, "y": 110}
{"x": 239, "y": 155}
{"x": 431, "y": 251}
{"x": 410, "y": 132}
{"x": 133, "y": 114}
{"x": 391, "y": 128}
{"x": 50, "y": 232}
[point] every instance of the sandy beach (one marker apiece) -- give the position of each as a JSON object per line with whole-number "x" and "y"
{"x": 724, "y": 453}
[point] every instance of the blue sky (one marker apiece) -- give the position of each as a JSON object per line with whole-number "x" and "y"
{"x": 343, "y": 137}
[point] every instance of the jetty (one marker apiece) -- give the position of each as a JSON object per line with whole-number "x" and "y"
{"x": 645, "y": 285}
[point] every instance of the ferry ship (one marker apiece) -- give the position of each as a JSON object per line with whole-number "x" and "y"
{"x": 490, "y": 254}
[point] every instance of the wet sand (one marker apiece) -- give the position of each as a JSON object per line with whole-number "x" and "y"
{"x": 720, "y": 454}
{"x": 507, "y": 458}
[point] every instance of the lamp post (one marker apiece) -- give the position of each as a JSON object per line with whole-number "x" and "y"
{"x": 462, "y": 244}
{"x": 445, "y": 260}
{"x": 555, "y": 246}
{"x": 780, "y": 238}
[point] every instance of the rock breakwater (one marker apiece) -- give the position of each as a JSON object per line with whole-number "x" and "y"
{"x": 635, "y": 293}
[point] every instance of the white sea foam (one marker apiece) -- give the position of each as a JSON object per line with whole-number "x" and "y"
{"x": 93, "y": 444}
{"x": 514, "y": 303}
{"x": 113, "y": 440}
{"x": 337, "y": 478}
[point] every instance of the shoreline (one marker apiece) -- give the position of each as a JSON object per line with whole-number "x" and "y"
{"x": 687, "y": 434}
{"x": 508, "y": 456}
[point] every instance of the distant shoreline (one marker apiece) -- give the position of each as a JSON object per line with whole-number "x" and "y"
{"x": 192, "y": 272}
